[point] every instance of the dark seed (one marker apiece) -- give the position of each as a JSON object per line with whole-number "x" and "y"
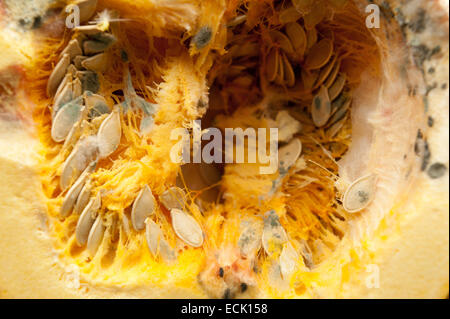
{"x": 221, "y": 272}
{"x": 89, "y": 81}
{"x": 244, "y": 287}
{"x": 227, "y": 294}
{"x": 437, "y": 170}
{"x": 430, "y": 121}
{"x": 202, "y": 38}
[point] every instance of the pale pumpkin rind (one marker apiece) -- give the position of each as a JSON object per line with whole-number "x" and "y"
{"x": 406, "y": 237}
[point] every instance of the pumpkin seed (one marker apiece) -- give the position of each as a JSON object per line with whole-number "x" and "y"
{"x": 186, "y": 228}
{"x": 289, "y": 75}
{"x": 57, "y": 75}
{"x": 272, "y": 65}
{"x": 289, "y": 154}
{"x": 156, "y": 242}
{"x": 71, "y": 69}
{"x": 63, "y": 97}
{"x": 287, "y": 126}
{"x": 280, "y": 75}
{"x": 333, "y": 74}
{"x": 288, "y": 15}
{"x": 282, "y": 40}
{"x": 96, "y": 63}
{"x": 237, "y": 21}
{"x": 104, "y": 42}
{"x": 319, "y": 54}
{"x": 64, "y": 120}
{"x": 340, "y": 109}
{"x": 109, "y": 134}
{"x": 83, "y": 199}
{"x": 311, "y": 38}
{"x": 337, "y": 87}
{"x": 297, "y": 36}
{"x": 202, "y": 38}
{"x": 314, "y": 17}
{"x": 360, "y": 194}
{"x": 250, "y": 239}
{"x": 172, "y": 198}
{"x": 87, "y": 219}
{"x": 153, "y": 235}
{"x": 326, "y": 71}
{"x": 321, "y": 107}
{"x": 67, "y": 79}
{"x": 87, "y": 9}
{"x": 73, "y": 193}
{"x": 72, "y": 49}
{"x": 89, "y": 80}
{"x": 303, "y": 5}
{"x": 288, "y": 261}
{"x": 95, "y": 236}
{"x": 77, "y": 88}
{"x": 143, "y": 207}
{"x": 84, "y": 153}
{"x": 78, "y": 60}
{"x": 274, "y": 235}
{"x": 336, "y": 127}
{"x": 309, "y": 77}
{"x": 306, "y": 253}
{"x": 96, "y": 105}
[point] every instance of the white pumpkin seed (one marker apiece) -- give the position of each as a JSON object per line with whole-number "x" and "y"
{"x": 288, "y": 261}
{"x": 340, "y": 108}
{"x": 186, "y": 228}
{"x": 287, "y": 126}
{"x": 78, "y": 60}
{"x": 309, "y": 78}
{"x": 172, "y": 198}
{"x": 319, "y": 54}
{"x": 156, "y": 242}
{"x": 87, "y": 219}
{"x": 272, "y": 65}
{"x": 83, "y": 199}
{"x": 63, "y": 97}
{"x": 102, "y": 42}
{"x": 311, "y": 38}
{"x": 72, "y": 49}
{"x": 87, "y": 9}
{"x": 143, "y": 207}
{"x": 250, "y": 239}
{"x": 57, "y": 75}
{"x": 289, "y": 154}
{"x": 73, "y": 193}
{"x": 297, "y": 36}
{"x": 77, "y": 88}
{"x": 289, "y": 15}
{"x": 97, "y": 63}
{"x": 360, "y": 194}
{"x": 274, "y": 235}
{"x": 95, "y": 236}
{"x": 289, "y": 75}
{"x": 85, "y": 152}
{"x": 109, "y": 134}
{"x": 321, "y": 107}
{"x": 237, "y": 21}
{"x": 336, "y": 127}
{"x": 282, "y": 40}
{"x": 333, "y": 74}
{"x": 337, "y": 87}
{"x": 326, "y": 71}
{"x": 96, "y": 105}
{"x": 67, "y": 79}
{"x": 65, "y": 119}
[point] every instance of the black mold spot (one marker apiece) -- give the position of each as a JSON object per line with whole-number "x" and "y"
{"x": 221, "y": 272}
{"x": 244, "y": 287}
{"x": 426, "y": 156}
{"x": 437, "y": 170}
{"x": 430, "y": 121}
{"x": 419, "y": 21}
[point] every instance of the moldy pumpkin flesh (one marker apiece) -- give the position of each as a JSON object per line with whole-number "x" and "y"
{"x": 87, "y": 113}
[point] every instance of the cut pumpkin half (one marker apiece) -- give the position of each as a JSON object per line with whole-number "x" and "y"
{"x": 100, "y": 199}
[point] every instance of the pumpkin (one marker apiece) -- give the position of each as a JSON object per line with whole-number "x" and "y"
{"x": 99, "y": 200}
